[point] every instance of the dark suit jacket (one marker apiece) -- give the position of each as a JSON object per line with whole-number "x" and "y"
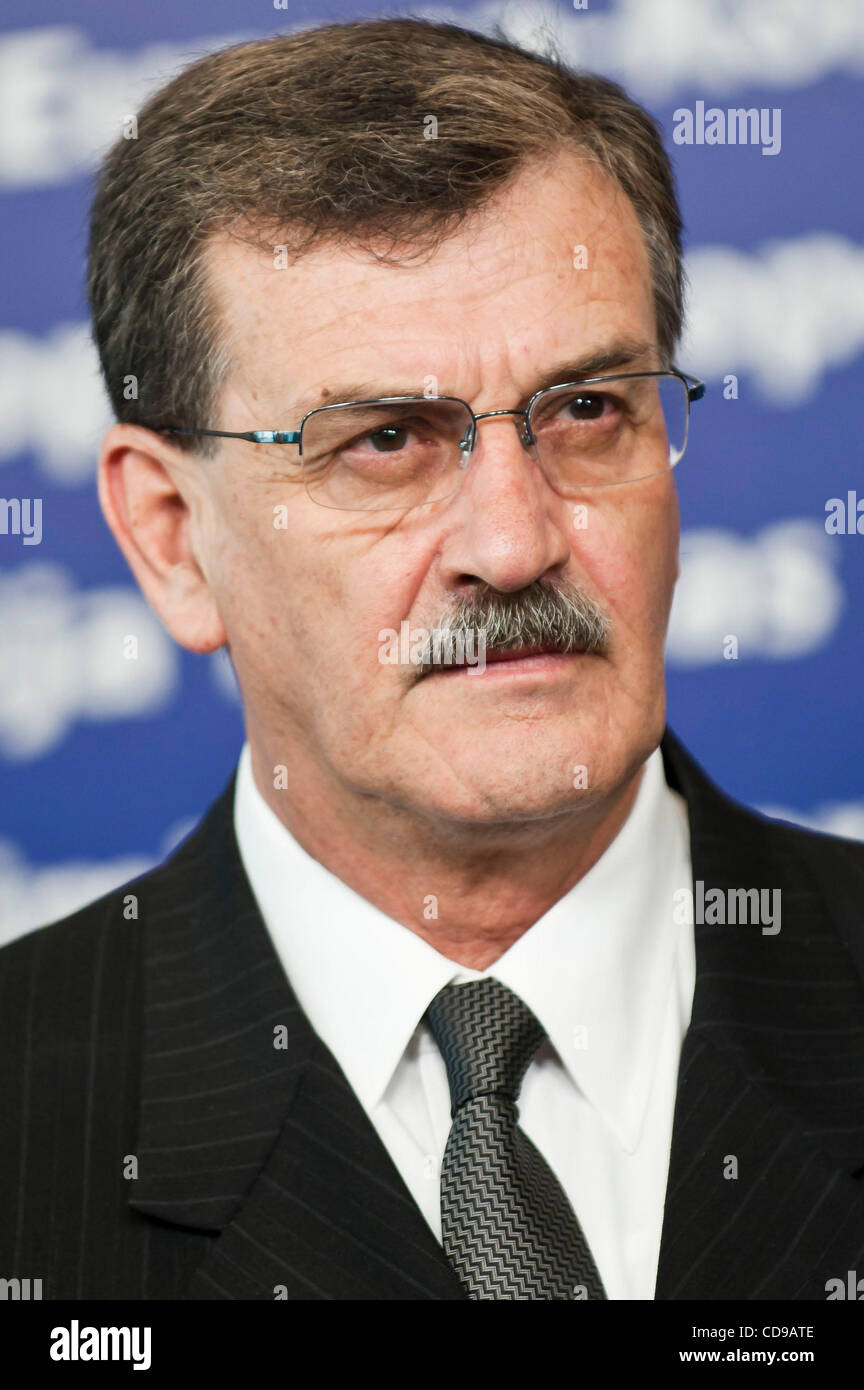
{"x": 148, "y": 1045}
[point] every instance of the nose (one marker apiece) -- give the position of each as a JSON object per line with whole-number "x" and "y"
{"x": 512, "y": 527}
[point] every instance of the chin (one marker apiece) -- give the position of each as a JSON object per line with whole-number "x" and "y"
{"x": 508, "y": 787}
{"x": 545, "y": 766}
{"x": 497, "y": 808}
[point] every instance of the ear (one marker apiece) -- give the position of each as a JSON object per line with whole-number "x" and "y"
{"x": 153, "y": 498}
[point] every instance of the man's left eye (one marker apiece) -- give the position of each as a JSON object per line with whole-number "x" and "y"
{"x": 588, "y": 407}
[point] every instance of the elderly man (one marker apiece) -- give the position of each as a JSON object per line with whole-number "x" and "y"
{"x": 471, "y": 984}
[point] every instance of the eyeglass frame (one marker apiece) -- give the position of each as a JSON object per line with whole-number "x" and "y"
{"x": 694, "y": 389}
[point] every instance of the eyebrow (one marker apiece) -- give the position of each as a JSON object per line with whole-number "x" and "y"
{"x": 622, "y": 353}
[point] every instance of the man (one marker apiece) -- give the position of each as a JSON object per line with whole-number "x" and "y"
{"x": 388, "y": 314}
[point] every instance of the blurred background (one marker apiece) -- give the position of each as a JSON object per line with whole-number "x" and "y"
{"x": 106, "y": 763}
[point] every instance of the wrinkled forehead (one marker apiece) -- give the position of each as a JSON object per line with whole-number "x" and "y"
{"x": 554, "y": 264}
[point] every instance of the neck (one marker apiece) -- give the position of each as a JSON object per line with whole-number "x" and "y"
{"x": 469, "y": 891}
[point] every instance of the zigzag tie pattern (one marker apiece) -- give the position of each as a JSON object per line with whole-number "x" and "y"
{"x": 507, "y": 1226}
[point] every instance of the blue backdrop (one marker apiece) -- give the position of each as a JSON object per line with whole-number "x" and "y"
{"x": 105, "y": 763}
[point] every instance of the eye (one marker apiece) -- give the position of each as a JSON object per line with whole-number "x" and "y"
{"x": 387, "y": 439}
{"x": 588, "y": 405}
{"x": 581, "y": 409}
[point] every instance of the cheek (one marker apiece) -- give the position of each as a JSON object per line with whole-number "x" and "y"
{"x": 376, "y": 600}
{"x": 311, "y": 606}
{"x": 262, "y": 585}
{"x": 628, "y": 550}
{"x": 374, "y": 583}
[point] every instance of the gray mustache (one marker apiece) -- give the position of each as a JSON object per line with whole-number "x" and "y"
{"x": 560, "y": 618}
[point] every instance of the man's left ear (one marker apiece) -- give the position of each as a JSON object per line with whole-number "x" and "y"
{"x": 151, "y": 502}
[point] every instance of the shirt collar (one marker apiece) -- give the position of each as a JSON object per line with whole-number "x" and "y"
{"x": 596, "y": 969}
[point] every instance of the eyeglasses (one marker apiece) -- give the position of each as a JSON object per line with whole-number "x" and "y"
{"x": 399, "y": 452}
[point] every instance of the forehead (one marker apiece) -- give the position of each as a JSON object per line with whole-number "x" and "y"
{"x": 554, "y": 264}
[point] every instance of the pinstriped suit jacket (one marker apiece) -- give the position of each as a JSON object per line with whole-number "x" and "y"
{"x": 155, "y": 1143}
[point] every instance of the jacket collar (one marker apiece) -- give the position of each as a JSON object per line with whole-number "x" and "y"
{"x": 786, "y": 1006}
{"x": 761, "y": 1200}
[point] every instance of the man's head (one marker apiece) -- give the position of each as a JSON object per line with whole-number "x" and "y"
{"x": 394, "y": 208}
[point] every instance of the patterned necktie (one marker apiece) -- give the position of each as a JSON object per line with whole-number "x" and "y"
{"x": 507, "y": 1226}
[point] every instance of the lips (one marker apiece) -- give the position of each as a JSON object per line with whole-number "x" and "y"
{"x": 519, "y": 653}
{"x": 500, "y": 656}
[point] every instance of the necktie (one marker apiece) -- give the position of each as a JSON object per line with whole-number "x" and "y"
{"x": 507, "y": 1226}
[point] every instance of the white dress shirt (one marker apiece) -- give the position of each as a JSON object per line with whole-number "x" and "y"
{"x": 607, "y": 971}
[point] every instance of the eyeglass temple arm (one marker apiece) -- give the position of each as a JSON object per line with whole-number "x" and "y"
{"x": 253, "y": 436}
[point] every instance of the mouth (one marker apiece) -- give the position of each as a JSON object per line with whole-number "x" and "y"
{"x": 525, "y": 653}
{"x": 512, "y": 662}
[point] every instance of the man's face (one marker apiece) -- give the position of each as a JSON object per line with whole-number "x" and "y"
{"x": 496, "y": 308}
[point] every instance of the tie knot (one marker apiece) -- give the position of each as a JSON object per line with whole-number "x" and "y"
{"x": 487, "y": 1037}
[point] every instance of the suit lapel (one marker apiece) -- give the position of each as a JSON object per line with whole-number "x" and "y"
{"x": 248, "y": 1128}
{"x": 770, "y": 1082}
{"x": 329, "y": 1215}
